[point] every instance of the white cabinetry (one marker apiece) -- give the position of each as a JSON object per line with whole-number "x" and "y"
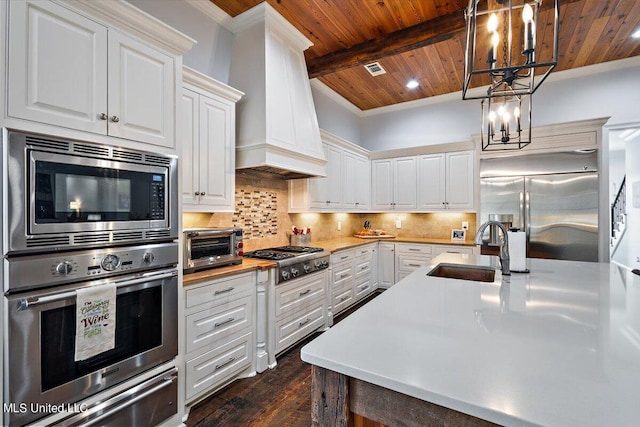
{"x": 69, "y": 71}
{"x": 326, "y": 193}
{"x": 386, "y": 264}
{"x": 220, "y": 333}
{"x": 410, "y": 257}
{"x": 298, "y": 308}
{"x": 347, "y": 186}
{"x": 353, "y": 276}
{"x": 394, "y": 184}
{"x": 446, "y": 181}
{"x": 207, "y": 143}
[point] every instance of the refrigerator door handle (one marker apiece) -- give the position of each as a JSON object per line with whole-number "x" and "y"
{"x": 521, "y": 211}
{"x": 527, "y": 212}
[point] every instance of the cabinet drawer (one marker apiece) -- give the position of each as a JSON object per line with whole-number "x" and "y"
{"x": 220, "y": 291}
{"x": 218, "y": 365}
{"x": 439, "y": 249}
{"x": 363, "y": 288}
{"x": 342, "y": 300}
{"x": 342, "y": 273}
{"x": 413, "y": 249}
{"x": 301, "y": 293}
{"x": 342, "y": 256}
{"x": 411, "y": 263}
{"x": 293, "y": 328}
{"x": 362, "y": 268}
{"x": 208, "y": 327}
{"x": 363, "y": 251}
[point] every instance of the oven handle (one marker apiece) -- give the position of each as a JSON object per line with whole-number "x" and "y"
{"x": 27, "y": 303}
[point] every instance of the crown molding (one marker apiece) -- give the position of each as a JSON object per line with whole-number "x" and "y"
{"x": 343, "y": 143}
{"x": 124, "y": 16}
{"x": 209, "y": 84}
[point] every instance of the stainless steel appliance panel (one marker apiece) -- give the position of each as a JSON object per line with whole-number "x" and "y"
{"x": 30, "y": 195}
{"x": 552, "y": 197}
{"x": 560, "y": 218}
{"x": 211, "y": 247}
{"x": 146, "y": 404}
{"x": 40, "y": 333}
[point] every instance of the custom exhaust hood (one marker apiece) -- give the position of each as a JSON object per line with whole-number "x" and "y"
{"x": 277, "y": 126}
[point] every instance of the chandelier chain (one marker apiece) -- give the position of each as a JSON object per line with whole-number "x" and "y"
{"x": 504, "y": 39}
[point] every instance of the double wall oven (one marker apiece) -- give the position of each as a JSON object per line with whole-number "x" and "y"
{"x": 85, "y": 216}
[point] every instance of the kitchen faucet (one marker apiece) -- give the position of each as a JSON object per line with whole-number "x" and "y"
{"x": 504, "y": 244}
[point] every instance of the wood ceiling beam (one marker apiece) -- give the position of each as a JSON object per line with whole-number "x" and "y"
{"x": 424, "y": 34}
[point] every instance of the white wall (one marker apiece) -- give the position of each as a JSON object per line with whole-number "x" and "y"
{"x": 335, "y": 118}
{"x": 562, "y": 98}
{"x": 212, "y": 54}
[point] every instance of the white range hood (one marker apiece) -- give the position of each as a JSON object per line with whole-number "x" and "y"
{"x": 276, "y": 120}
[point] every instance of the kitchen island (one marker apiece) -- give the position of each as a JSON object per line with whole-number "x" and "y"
{"x": 559, "y": 346}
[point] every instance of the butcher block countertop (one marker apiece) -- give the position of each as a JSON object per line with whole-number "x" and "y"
{"x": 248, "y": 264}
{"x": 559, "y": 346}
{"x": 352, "y": 242}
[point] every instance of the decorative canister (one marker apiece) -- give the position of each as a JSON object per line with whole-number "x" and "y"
{"x": 300, "y": 239}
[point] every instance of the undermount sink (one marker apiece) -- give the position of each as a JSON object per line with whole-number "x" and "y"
{"x": 464, "y": 272}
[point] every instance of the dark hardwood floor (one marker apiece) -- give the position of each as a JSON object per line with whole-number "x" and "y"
{"x": 279, "y": 397}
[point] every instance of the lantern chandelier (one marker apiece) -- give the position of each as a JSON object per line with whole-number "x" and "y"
{"x": 503, "y": 51}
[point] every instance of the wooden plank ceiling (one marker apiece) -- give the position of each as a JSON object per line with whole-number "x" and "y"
{"x": 425, "y": 40}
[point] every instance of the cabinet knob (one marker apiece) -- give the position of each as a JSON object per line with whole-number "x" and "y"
{"x": 197, "y": 193}
{"x": 115, "y": 119}
{"x": 203, "y": 193}
{"x": 103, "y": 116}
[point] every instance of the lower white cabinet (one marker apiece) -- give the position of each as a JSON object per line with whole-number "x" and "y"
{"x": 220, "y": 331}
{"x": 296, "y": 309}
{"x": 353, "y": 276}
{"x": 397, "y": 260}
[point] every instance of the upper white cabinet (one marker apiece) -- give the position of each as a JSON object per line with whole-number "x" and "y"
{"x": 326, "y": 193}
{"x": 347, "y": 186}
{"x": 394, "y": 184}
{"x": 446, "y": 181}
{"x": 207, "y": 143}
{"x": 68, "y": 70}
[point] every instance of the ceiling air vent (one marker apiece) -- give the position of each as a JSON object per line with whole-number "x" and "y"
{"x": 375, "y": 69}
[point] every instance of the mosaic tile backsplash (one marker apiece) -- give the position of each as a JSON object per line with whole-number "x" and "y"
{"x": 256, "y": 212}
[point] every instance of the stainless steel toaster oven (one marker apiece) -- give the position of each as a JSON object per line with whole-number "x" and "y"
{"x": 211, "y": 247}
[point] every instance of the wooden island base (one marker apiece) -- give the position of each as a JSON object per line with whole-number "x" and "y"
{"x": 338, "y": 400}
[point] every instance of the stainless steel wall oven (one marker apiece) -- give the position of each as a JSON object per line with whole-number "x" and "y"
{"x": 87, "y": 217}
{"x": 63, "y": 194}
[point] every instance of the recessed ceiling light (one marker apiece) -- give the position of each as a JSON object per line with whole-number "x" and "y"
{"x": 636, "y": 34}
{"x": 412, "y": 84}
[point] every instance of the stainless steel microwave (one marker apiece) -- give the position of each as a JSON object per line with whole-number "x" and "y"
{"x": 211, "y": 247}
{"x": 67, "y": 194}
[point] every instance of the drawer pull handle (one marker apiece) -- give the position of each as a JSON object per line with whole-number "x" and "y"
{"x": 415, "y": 265}
{"x": 222, "y": 365}
{"x": 342, "y": 276}
{"x": 414, "y": 249}
{"x": 303, "y": 293}
{"x": 344, "y": 257}
{"x": 343, "y": 299}
{"x": 223, "y": 291}
{"x": 304, "y": 322}
{"x": 224, "y": 322}
{"x": 364, "y": 268}
{"x": 364, "y": 288}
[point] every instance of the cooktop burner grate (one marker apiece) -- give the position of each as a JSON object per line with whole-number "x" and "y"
{"x": 299, "y": 249}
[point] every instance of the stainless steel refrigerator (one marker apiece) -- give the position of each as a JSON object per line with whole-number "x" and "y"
{"x": 552, "y": 197}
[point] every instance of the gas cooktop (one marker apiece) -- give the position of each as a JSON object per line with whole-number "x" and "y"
{"x": 293, "y": 261}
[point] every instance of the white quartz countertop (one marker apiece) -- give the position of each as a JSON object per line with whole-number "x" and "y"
{"x": 559, "y": 346}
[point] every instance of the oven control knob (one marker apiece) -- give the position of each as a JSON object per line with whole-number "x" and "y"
{"x": 307, "y": 268}
{"x": 295, "y": 272}
{"x": 64, "y": 268}
{"x": 285, "y": 275}
{"x": 110, "y": 262}
{"x": 148, "y": 257}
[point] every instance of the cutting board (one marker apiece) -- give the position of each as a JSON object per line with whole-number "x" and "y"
{"x": 384, "y": 236}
